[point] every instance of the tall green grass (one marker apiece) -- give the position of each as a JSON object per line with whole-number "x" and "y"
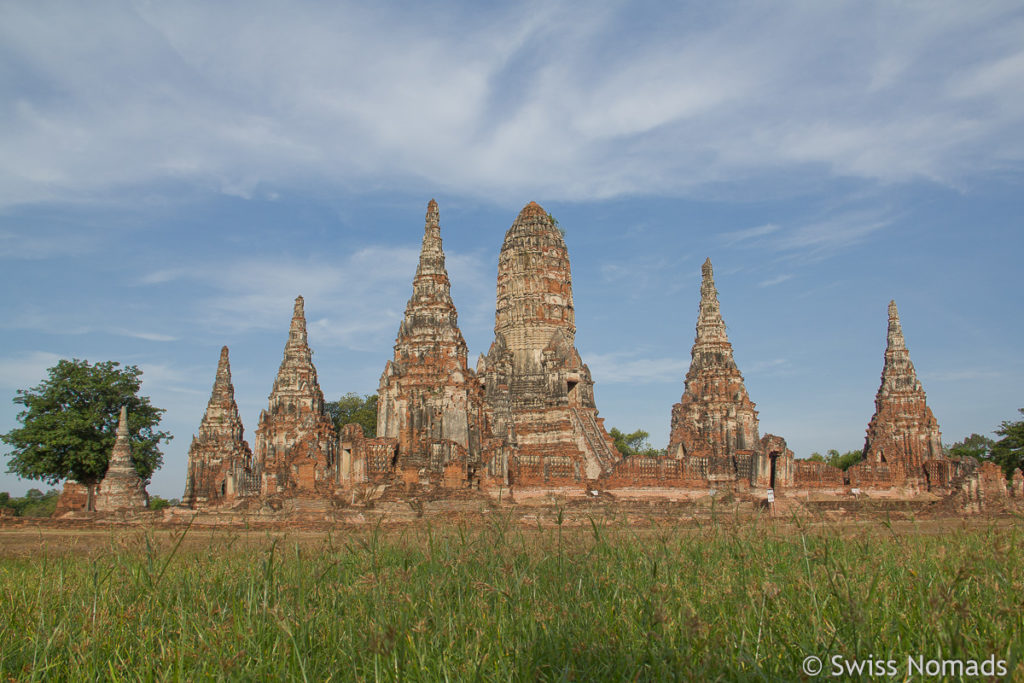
{"x": 503, "y": 602}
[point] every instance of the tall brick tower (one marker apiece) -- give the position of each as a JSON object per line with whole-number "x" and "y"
{"x": 296, "y": 444}
{"x": 219, "y": 458}
{"x": 539, "y": 394}
{"x": 428, "y": 398}
{"x": 715, "y": 416}
{"x": 903, "y": 428}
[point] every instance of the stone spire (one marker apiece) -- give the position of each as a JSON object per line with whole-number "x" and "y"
{"x": 903, "y": 428}
{"x": 715, "y": 416}
{"x": 711, "y": 347}
{"x": 534, "y": 283}
{"x": 428, "y": 394}
{"x": 295, "y": 424}
{"x": 121, "y": 488}
{"x": 539, "y": 393}
{"x": 219, "y": 457}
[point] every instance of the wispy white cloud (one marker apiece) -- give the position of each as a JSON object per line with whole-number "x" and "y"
{"x": 252, "y": 99}
{"x": 356, "y": 302}
{"x": 779, "y": 279}
{"x": 627, "y": 368}
{"x": 747, "y": 235}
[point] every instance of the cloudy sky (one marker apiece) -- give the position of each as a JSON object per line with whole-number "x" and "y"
{"x": 172, "y": 175}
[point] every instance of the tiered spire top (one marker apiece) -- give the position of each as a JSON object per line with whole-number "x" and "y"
{"x": 898, "y": 373}
{"x": 221, "y": 410}
{"x": 534, "y": 283}
{"x": 297, "y": 348}
{"x": 710, "y": 326}
{"x": 121, "y": 456}
{"x": 895, "y": 340}
{"x": 431, "y": 275}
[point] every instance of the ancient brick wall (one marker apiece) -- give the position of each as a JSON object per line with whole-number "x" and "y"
{"x": 74, "y": 497}
{"x": 811, "y": 475}
{"x": 876, "y": 475}
{"x": 939, "y": 474}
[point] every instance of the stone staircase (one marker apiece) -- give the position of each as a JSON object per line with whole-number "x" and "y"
{"x": 592, "y": 433}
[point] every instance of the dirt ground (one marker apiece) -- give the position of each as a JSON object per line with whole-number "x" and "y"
{"x": 29, "y": 539}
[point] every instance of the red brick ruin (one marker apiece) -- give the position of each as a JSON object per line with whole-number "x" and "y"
{"x": 525, "y": 418}
{"x": 220, "y": 464}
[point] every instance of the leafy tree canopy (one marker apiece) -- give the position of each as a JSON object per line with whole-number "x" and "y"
{"x": 35, "y": 503}
{"x": 351, "y": 409}
{"x": 633, "y": 444}
{"x": 974, "y": 446}
{"x": 1008, "y": 452}
{"x": 843, "y": 461}
{"x": 69, "y": 424}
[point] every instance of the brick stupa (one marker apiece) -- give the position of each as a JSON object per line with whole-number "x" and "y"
{"x": 539, "y": 393}
{"x": 296, "y": 443}
{"x": 121, "y": 488}
{"x": 219, "y": 458}
{"x": 429, "y": 399}
{"x": 903, "y": 429}
{"x": 715, "y": 416}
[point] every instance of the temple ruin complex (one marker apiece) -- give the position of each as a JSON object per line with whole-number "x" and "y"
{"x": 525, "y": 418}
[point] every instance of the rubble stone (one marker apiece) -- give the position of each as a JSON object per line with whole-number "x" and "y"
{"x": 219, "y": 459}
{"x": 121, "y": 488}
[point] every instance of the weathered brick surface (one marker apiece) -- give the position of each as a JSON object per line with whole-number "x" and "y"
{"x": 220, "y": 464}
{"x": 539, "y": 393}
{"x": 1017, "y": 484}
{"x": 296, "y": 445}
{"x": 121, "y": 488}
{"x": 811, "y": 475}
{"x": 903, "y": 429}
{"x": 715, "y": 416}
{"x": 74, "y": 497}
{"x": 992, "y": 484}
{"x": 877, "y": 475}
{"x": 429, "y": 400}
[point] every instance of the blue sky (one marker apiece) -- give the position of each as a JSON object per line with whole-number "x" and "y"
{"x": 172, "y": 175}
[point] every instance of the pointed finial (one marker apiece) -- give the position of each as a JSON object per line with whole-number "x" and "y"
{"x": 122, "y": 423}
{"x": 532, "y": 209}
{"x": 432, "y": 213}
{"x": 223, "y": 356}
{"x": 706, "y": 271}
{"x": 299, "y": 307}
{"x": 894, "y": 337}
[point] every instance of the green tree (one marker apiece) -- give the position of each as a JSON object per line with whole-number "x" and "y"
{"x": 843, "y": 460}
{"x": 1008, "y": 452}
{"x": 633, "y": 444}
{"x": 974, "y": 446}
{"x": 70, "y": 423}
{"x": 816, "y": 457}
{"x": 351, "y": 409}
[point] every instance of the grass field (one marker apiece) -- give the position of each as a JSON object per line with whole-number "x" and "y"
{"x": 502, "y": 602}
